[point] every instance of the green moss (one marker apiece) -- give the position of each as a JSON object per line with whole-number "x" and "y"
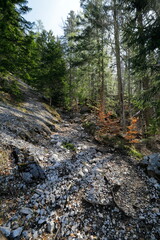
{"x": 86, "y": 124}
{"x": 23, "y": 109}
{"x": 69, "y": 146}
{"x": 135, "y": 153}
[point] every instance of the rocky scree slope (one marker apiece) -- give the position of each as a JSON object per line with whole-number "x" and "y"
{"x": 57, "y": 183}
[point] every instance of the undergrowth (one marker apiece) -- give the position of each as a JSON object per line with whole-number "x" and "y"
{"x": 9, "y": 85}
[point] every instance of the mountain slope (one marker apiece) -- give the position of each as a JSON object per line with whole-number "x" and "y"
{"x": 56, "y": 183}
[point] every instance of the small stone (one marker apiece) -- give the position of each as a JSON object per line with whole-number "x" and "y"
{"x": 66, "y": 125}
{"x": 156, "y": 210}
{"x": 113, "y": 221}
{"x": 15, "y": 226}
{"x": 36, "y": 206}
{"x": 17, "y": 232}
{"x": 35, "y": 196}
{"x": 74, "y": 228}
{"x": 40, "y": 232}
{"x": 42, "y": 212}
{"x": 50, "y": 227}
{"x": 81, "y": 173}
{"x": 157, "y": 186}
{"x": 41, "y": 158}
{"x": 100, "y": 215}
{"x": 14, "y": 218}
{"x": 39, "y": 191}
{"x": 52, "y": 198}
{"x": 28, "y": 217}
{"x": 26, "y": 235}
{"x": 72, "y": 213}
{"x": 142, "y": 217}
{"x": 41, "y": 221}
{"x": 35, "y": 235}
{"x": 26, "y": 211}
{"x": 5, "y": 230}
{"x": 58, "y": 144}
{"x": 85, "y": 170}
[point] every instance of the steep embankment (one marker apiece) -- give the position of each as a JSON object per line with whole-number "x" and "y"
{"x": 56, "y": 183}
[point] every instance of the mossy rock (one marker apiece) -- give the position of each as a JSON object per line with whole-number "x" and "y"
{"x": 31, "y": 171}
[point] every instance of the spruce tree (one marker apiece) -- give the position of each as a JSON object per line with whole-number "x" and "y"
{"x": 13, "y": 30}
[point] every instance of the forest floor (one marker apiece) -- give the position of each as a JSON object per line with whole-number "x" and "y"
{"x": 56, "y": 182}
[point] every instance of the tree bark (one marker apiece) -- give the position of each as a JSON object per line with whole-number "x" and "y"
{"x": 103, "y": 75}
{"x": 118, "y": 65}
{"x": 145, "y": 79}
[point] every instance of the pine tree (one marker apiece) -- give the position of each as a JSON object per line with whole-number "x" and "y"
{"x": 48, "y": 67}
{"x": 141, "y": 34}
{"x": 69, "y": 44}
{"x": 13, "y": 30}
{"x": 118, "y": 62}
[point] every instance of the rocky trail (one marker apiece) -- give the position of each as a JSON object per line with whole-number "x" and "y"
{"x": 56, "y": 182}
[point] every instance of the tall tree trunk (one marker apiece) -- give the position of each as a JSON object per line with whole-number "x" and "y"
{"x": 128, "y": 71}
{"x": 145, "y": 79}
{"x": 99, "y": 68}
{"x": 103, "y": 76}
{"x": 70, "y": 85}
{"x": 118, "y": 64}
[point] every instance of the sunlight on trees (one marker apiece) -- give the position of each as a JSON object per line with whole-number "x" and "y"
{"x": 108, "y": 59}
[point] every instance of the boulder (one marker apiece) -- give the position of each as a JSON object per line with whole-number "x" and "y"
{"x": 152, "y": 165}
{"x": 85, "y": 109}
{"x": 31, "y": 172}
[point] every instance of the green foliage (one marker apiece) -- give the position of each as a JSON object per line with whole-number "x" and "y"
{"x": 154, "y": 127}
{"x": 135, "y": 153}
{"x": 9, "y": 85}
{"x": 69, "y": 146}
{"x": 13, "y": 28}
{"x": 141, "y": 34}
{"x": 85, "y": 48}
{"x": 46, "y": 66}
{"x": 77, "y": 68}
{"x": 14, "y": 90}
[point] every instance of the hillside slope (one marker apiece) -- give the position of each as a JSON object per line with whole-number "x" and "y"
{"x": 56, "y": 183}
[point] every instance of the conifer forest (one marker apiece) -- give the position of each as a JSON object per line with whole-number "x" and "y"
{"x": 107, "y": 58}
{"x": 80, "y": 123}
